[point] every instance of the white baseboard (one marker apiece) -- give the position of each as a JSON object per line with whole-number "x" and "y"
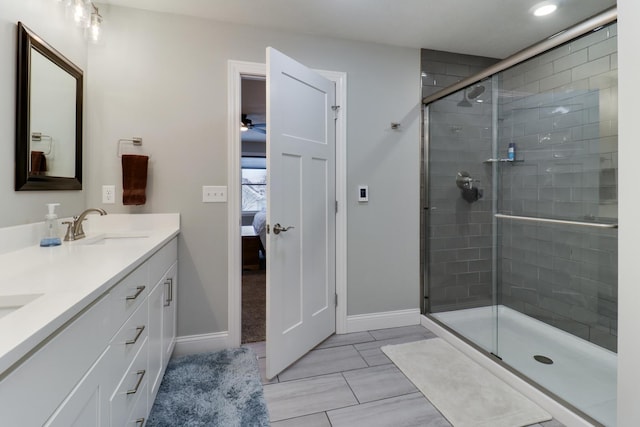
{"x": 383, "y": 320}
{"x": 193, "y": 344}
{"x": 558, "y": 411}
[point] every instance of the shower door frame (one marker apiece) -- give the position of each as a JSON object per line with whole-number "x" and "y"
{"x": 425, "y": 304}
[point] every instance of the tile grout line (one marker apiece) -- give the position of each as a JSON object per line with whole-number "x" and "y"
{"x": 350, "y": 388}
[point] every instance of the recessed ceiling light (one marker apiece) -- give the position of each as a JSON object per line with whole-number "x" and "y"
{"x": 544, "y": 8}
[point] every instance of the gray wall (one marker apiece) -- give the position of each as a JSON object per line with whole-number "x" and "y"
{"x": 561, "y": 111}
{"x": 164, "y": 77}
{"x": 47, "y": 19}
{"x": 459, "y": 232}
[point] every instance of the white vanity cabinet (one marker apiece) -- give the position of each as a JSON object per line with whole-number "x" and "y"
{"x": 162, "y": 314}
{"x": 102, "y": 368}
{"x": 162, "y": 318}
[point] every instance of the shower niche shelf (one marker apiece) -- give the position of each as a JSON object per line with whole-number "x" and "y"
{"x": 503, "y": 161}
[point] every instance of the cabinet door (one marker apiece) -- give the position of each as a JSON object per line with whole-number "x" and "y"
{"x": 169, "y": 312}
{"x": 156, "y": 351}
{"x": 63, "y": 362}
{"x": 86, "y": 405}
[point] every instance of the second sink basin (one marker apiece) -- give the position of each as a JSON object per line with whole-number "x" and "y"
{"x": 112, "y": 238}
{"x": 11, "y": 303}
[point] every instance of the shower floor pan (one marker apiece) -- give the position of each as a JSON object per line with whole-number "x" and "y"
{"x": 582, "y": 373}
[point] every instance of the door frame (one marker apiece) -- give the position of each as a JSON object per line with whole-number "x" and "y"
{"x": 236, "y": 70}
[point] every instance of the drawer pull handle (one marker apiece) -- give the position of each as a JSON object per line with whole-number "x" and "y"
{"x": 169, "y": 283}
{"x": 139, "y": 290}
{"x": 140, "y": 375}
{"x": 140, "y": 422}
{"x": 135, "y": 339}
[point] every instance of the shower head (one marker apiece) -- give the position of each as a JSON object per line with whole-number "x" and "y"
{"x": 476, "y": 92}
{"x": 464, "y": 102}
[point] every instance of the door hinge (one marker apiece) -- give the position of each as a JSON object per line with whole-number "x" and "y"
{"x": 336, "y": 299}
{"x": 336, "y": 206}
{"x": 267, "y": 228}
{"x": 335, "y": 109}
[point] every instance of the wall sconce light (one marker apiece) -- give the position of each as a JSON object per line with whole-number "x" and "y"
{"x": 79, "y": 10}
{"x": 86, "y": 15}
{"x": 95, "y": 24}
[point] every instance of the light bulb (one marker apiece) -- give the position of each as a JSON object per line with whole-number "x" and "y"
{"x": 95, "y": 33}
{"x": 80, "y": 12}
{"x": 94, "y": 28}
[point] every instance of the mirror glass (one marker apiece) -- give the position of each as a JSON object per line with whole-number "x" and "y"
{"x": 49, "y": 117}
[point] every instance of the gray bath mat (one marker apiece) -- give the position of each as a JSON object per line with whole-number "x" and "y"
{"x": 464, "y": 392}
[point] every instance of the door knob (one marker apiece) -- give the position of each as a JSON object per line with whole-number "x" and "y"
{"x": 278, "y": 228}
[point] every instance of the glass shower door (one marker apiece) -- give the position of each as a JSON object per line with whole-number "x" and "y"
{"x": 461, "y": 203}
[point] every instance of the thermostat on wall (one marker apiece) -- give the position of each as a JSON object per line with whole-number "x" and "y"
{"x": 363, "y": 193}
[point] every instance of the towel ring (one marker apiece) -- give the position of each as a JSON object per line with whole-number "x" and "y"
{"x": 40, "y": 137}
{"x": 135, "y": 142}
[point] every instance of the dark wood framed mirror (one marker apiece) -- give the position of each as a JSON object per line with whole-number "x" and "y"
{"x": 48, "y": 117}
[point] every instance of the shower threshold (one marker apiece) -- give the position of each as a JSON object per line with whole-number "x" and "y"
{"x": 582, "y": 373}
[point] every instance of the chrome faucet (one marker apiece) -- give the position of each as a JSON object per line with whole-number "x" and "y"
{"x": 74, "y": 228}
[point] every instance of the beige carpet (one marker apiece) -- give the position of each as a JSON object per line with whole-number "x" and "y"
{"x": 464, "y": 392}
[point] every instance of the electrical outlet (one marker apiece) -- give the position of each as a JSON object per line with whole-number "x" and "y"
{"x": 108, "y": 194}
{"x": 214, "y": 194}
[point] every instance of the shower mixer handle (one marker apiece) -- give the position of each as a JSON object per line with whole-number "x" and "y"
{"x": 464, "y": 180}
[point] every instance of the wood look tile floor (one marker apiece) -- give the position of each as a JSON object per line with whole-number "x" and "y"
{"x": 347, "y": 381}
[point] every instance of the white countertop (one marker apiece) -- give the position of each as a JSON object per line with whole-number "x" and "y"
{"x": 71, "y": 276}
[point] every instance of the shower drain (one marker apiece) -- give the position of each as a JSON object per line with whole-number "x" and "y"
{"x": 543, "y": 359}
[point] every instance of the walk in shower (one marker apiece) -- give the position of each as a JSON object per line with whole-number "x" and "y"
{"x": 520, "y": 201}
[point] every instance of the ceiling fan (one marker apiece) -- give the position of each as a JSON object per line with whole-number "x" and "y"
{"x": 246, "y": 123}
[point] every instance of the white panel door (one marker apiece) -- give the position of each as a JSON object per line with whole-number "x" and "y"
{"x": 300, "y": 210}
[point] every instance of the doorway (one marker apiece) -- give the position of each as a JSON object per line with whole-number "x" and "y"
{"x": 237, "y": 71}
{"x": 253, "y": 185}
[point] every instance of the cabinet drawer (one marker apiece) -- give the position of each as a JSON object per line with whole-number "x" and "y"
{"x": 138, "y": 416}
{"x": 129, "y": 294}
{"x": 129, "y": 339}
{"x": 55, "y": 369}
{"x": 160, "y": 262}
{"x": 131, "y": 387}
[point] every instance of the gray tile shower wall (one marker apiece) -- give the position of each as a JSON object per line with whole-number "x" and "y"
{"x": 459, "y": 232}
{"x": 442, "y": 69}
{"x": 560, "y": 109}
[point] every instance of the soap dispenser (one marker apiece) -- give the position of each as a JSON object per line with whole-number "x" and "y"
{"x": 51, "y": 235}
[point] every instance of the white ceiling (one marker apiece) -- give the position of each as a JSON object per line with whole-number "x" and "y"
{"x": 494, "y": 28}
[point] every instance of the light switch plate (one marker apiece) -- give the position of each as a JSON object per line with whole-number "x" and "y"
{"x": 108, "y": 194}
{"x": 363, "y": 193}
{"x": 214, "y": 193}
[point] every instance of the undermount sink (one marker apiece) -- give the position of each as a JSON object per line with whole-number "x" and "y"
{"x": 11, "y": 303}
{"x": 112, "y": 238}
